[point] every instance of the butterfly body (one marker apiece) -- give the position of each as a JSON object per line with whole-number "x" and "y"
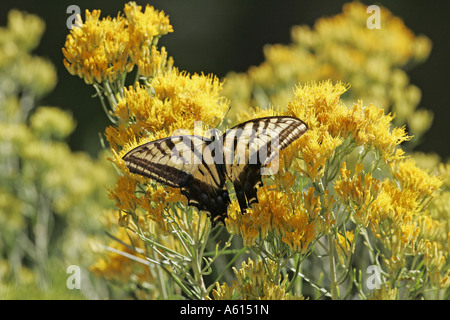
{"x": 200, "y": 166}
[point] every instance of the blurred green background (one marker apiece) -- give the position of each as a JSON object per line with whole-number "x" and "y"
{"x": 222, "y": 36}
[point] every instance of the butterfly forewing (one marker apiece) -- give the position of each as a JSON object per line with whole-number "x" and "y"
{"x": 170, "y": 160}
{"x": 184, "y": 162}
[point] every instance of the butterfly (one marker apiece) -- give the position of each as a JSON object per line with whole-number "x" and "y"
{"x": 200, "y": 166}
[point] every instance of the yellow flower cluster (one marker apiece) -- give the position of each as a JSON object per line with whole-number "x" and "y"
{"x": 341, "y": 48}
{"x": 345, "y": 246}
{"x": 386, "y": 292}
{"x": 98, "y": 49}
{"x": 169, "y": 102}
{"x": 373, "y": 201}
{"x": 106, "y": 49}
{"x": 331, "y": 123}
{"x": 52, "y": 122}
{"x": 152, "y": 201}
{"x": 395, "y": 212}
{"x": 116, "y": 265}
{"x": 145, "y": 28}
{"x": 29, "y": 73}
{"x": 254, "y": 282}
{"x": 412, "y": 177}
{"x": 394, "y": 209}
{"x": 295, "y": 217}
{"x": 361, "y": 193}
{"x": 25, "y": 31}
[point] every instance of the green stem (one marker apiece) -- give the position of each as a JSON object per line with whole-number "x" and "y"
{"x": 226, "y": 268}
{"x": 154, "y": 244}
{"x": 102, "y": 101}
{"x": 136, "y": 78}
{"x": 197, "y": 269}
{"x": 110, "y": 95}
{"x": 296, "y": 272}
{"x": 323, "y": 291}
{"x": 334, "y": 286}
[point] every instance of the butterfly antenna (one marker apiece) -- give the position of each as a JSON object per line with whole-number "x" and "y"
{"x": 223, "y": 117}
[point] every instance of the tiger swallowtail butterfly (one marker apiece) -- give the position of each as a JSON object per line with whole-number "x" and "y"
{"x": 200, "y": 166}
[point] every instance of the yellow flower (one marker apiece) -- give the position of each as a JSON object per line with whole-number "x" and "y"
{"x": 144, "y": 26}
{"x": 124, "y": 194}
{"x": 331, "y": 122}
{"x": 317, "y": 147}
{"x": 223, "y": 292}
{"x": 431, "y": 228}
{"x": 145, "y": 29}
{"x": 29, "y": 73}
{"x": 50, "y": 122}
{"x": 358, "y": 192}
{"x": 344, "y": 246}
{"x": 115, "y": 265}
{"x": 403, "y": 209}
{"x": 155, "y": 201}
{"x": 151, "y": 62}
{"x": 392, "y": 208}
{"x": 144, "y": 111}
{"x": 254, "y": 282}
{"x": 36, "y": 74}
{"x": 308, "y": 219}
{"x": 435, "y": 257}
{"x": 407, "y": 236}
{"x": 295, "y": 221}
{"x": 386, "y": 292}
{"x": 326, "y": 216}
{"x": 98, "y": 50}
{"x": 244, "y": 225}
{"x": 318, "y": 105}
{"x": 370, "y": 126}
{"x": 256, "y": 221}
{"x": 26, "y": 30}
{"x": 192, "y": 98}
{"x": 394, "y": 40}
{"x": 171, "y": 101}
{"x": 413, "y": 178}
{"x": 398, "y": 216}
{"x": 303, "y": 234}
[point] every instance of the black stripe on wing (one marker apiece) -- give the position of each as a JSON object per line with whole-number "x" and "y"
{"x": 168, "y": 160}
